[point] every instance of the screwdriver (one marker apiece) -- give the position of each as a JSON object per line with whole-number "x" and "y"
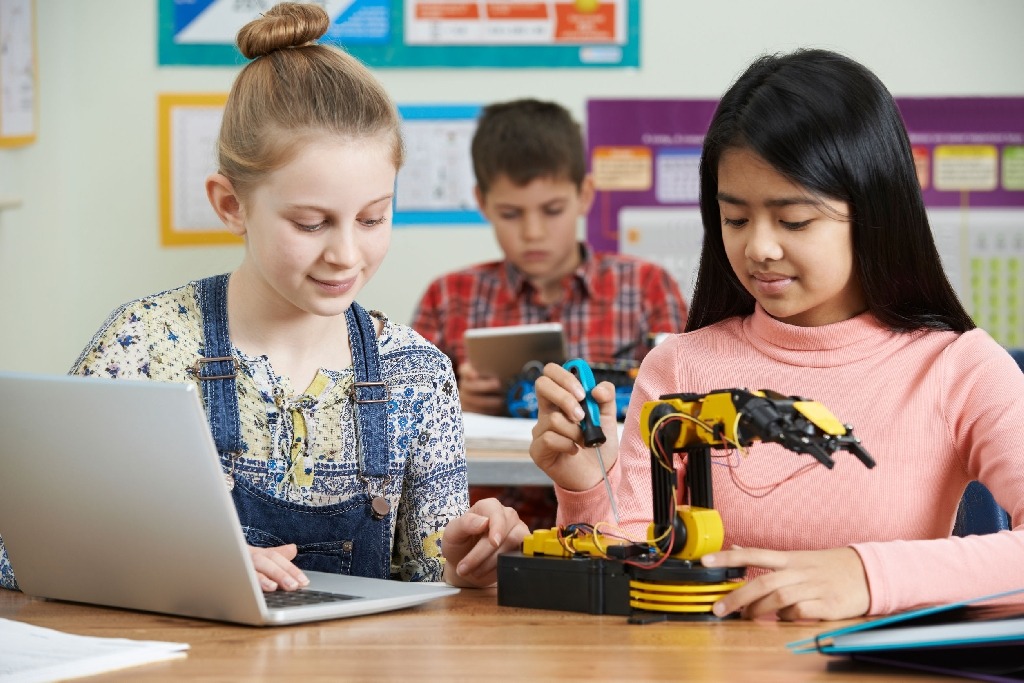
{"x": 593, "y": 435}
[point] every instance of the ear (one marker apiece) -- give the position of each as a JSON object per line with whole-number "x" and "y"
{"x": 226, "y": 203}
{"x": 586, "y": 194}
{"x": 481, "y": 201}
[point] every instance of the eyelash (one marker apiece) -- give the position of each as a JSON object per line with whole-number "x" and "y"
{"x": 369, "y": 223}
{"x": 794, "y": 226}
{"x": 788, "y": 225}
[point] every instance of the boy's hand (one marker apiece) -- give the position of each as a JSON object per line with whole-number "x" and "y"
{"x": 275, "y": 570}
{"x": 480, "y": 393}
{"x": 471, "y": 543}
{"x": 556, "y": 436}
{"x": 805, "y": 584}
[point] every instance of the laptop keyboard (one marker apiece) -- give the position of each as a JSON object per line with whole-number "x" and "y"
{"x": 279, "y": 599}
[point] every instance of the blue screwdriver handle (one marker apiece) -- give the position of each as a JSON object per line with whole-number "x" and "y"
{"x": 593, "y": 435}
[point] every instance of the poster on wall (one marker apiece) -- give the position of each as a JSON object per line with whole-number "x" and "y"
{"x": 187, "y": 129}
{"x": 644, "y": 157}
{"x": 969, "y": 152}
{"x": 435, "y": 186}
{"x": 18, "y": 87}
{"x": 424, "y": 33}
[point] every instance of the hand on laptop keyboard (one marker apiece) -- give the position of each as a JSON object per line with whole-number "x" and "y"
{"x": 275, "y": 569}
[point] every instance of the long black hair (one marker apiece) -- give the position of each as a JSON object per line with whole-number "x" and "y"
{"x": 828, "y": 124}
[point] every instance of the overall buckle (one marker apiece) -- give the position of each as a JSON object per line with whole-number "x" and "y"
{"x": 198, "y": 369}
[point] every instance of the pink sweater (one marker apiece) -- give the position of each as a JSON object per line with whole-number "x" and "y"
{"x": 934, "y": 409}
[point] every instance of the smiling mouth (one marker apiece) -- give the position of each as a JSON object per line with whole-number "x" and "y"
{"x": 771, "y": 284}
{"x": 335, "y": 285}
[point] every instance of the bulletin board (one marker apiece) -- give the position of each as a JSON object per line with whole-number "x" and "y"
{"x": 969, "y": 152}
{"x": 424, "y": 33}
{"x": 19, "y": 97}
{"x": 187, "y": 129}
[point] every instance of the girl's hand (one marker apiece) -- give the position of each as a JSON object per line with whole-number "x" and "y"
{"x": 557, "y": 436}
{"x": 275, "y": 570}
{"x": 805, "y": 584}
{"x": 471, "y": 543}
{"x": 480, "y": 393}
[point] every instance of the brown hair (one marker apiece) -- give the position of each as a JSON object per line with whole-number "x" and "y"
{"x": 295, "y": 90}
{"x": 525, "y": 140}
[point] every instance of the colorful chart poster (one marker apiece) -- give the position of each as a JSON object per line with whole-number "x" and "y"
{"x": 644, "y": 157}
{"x": 969, "y": 152}
{"x": 425, "y": 33}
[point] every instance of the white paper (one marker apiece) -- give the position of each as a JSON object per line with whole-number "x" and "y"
{"x": 31, "y": 653}
{"x": 486, "y": 432}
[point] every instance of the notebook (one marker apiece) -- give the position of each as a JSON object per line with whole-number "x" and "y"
{"x": 112, "y": 494}
{"x": 970, "y": 639}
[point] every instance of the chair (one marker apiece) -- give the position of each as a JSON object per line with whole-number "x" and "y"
{"x": 978, "y": 512}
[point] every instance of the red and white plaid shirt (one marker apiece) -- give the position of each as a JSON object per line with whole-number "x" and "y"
{"x": 612, "y": 304}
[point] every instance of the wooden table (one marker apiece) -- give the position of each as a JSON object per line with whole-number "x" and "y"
{"x": 466, "y": 637}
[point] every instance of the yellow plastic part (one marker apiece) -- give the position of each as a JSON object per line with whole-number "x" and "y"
{"x": 681, "y": 597}
{"x": 820, "y": 416}
{"x": 546, "y": 542}
{"x": 687, "y": 588}
{"x": 705, "y": 532}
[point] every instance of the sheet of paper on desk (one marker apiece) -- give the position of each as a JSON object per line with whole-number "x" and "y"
{"x": 486, "y": 432}
{"x": 31, "y": 653}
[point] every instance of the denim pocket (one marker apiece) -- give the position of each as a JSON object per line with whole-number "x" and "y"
{"x": 260, "y": 539}
{"x": 334, "y": 557}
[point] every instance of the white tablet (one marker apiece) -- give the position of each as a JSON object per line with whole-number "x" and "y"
{"x": 505, "y": 351}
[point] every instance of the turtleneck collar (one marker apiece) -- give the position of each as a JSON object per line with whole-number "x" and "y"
{"x": 823, "y": 346}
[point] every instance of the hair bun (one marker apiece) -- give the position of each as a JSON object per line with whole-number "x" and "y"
{"x": 287, "y": 24}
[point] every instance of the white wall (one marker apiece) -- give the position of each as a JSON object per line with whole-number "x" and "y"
{"x": 86, "y": 237}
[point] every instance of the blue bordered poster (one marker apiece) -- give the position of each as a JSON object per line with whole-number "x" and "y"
{"x": 435, "y": 186}
{"x": 424, "y": 33}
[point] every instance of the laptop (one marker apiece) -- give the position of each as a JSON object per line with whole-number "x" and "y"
{"x": 111, "y": 493}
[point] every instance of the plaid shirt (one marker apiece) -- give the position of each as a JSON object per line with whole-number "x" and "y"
{"x": 611, "y": 304}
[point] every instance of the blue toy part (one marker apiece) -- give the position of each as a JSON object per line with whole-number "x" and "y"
{"x": 521, "y": 398}
{"x": 622, "y": 395}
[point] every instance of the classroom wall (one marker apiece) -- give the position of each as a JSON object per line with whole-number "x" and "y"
{"x": 85, "y": 238}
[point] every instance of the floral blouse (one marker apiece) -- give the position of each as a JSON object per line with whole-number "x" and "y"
{"x": 159, "y": 338}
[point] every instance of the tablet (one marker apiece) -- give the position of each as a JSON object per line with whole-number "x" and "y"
{"x": 504, "y": 351}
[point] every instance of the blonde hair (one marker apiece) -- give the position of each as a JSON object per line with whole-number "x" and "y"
{"x": 295, "y": 90}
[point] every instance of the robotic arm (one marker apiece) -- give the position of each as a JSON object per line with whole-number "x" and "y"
{"x": 580, "y": 569}
{"x": 693, "y": 424}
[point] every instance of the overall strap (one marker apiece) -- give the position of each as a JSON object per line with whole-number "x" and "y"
{"x": 217, "y": 368}
{"x": 369, "y": 393}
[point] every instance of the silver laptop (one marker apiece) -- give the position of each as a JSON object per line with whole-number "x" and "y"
{"x": 111, "y": 493}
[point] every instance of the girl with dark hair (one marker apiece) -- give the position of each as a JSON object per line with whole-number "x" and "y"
{"x": 819, "y": 277}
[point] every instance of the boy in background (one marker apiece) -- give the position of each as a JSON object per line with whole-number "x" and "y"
{"x": 532, "y": 186}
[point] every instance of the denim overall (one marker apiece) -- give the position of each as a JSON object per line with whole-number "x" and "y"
{"x": 352, "y": 537}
